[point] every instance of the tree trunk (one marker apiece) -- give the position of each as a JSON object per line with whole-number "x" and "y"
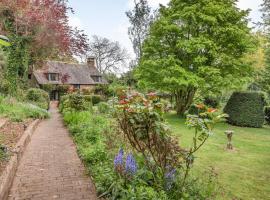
{"x": 183, "y": 99}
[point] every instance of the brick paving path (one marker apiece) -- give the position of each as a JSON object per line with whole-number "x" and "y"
{"x": 50, "y": 167}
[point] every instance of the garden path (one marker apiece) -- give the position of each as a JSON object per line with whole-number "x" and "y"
{"x": 50, "y": 167}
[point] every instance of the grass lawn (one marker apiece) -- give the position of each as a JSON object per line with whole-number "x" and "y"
{"x": 243, "y": 173}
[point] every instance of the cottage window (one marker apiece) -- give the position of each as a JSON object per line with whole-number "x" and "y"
{"x": 53, "y": 77}
{"x": 97, "y": 79}
{"x": 77, "y": 86}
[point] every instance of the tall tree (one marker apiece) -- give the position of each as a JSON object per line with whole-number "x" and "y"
{"x": 264, "y": 76}
{"x": 37, "y": 30}
{"x": 194, "y": 43}
{"x": 140, "y": 19}
{"x": 110, "y": 56}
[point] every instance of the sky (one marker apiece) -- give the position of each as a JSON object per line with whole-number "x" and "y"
{"x": 107, "y": 17}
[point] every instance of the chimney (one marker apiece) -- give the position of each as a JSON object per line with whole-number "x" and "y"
{"x": 91, "y": 61}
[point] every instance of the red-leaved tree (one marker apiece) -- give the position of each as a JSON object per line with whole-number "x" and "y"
{"x": 45, "y": 25}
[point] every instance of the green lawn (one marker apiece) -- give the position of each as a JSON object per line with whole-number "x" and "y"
{"x": 243, "y": 173}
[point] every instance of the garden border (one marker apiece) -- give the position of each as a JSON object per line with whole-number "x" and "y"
{"x": 3, "y": 122}
{"x": 8, "y": 175}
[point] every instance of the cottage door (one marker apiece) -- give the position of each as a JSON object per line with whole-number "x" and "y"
{"x": 54, "y": 95}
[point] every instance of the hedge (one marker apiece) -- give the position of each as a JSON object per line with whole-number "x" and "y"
{"x": 246, "y": 109}
{"x": 38, "y": 97}
{"x": 267, "y": 114}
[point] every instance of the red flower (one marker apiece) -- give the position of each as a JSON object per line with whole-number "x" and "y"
{"x": 211, "y": 110}
{"x": 123, "y": 102}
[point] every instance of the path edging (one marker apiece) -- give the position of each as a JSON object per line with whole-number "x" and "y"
{"x": 3, "y": 122}
{"x": 7, "y": 177}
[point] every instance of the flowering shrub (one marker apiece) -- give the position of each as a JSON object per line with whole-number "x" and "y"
{"x": 141, "y": 120}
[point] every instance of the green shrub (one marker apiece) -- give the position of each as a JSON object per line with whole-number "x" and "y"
{"x": 103, "y": 107}
{"x": 211, "y": 102}
{"x": 193, "y": 110}
{"x": 76, "y": 102}
{"x": 16, "y": 111}
{"x": 246, "y": 109}
{"x": 267, "y": 114}
{"x": 96, "y": 99}
{"x": 38, "y": 97}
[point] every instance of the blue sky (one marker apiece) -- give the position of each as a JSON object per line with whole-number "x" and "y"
{"x": 107, "y": 17}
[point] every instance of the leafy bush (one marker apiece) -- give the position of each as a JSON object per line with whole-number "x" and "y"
{"x": 103, "y": 107}
{"x": 140, "y": 118}
{"x": 211, "y": 102}
{"x": 96, "y": 99}
{"x": 246, "y": 109}
{"x": 126, "y": 176}
{"x": 193, "y": 110}
{"x": 17, "y": 111}
{"x": 267, "y": 114}
{"x": 75, "y": 102}
{"x": 39, "y": 97}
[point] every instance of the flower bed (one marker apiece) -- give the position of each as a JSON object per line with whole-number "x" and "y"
{"x": 131, "y": 154}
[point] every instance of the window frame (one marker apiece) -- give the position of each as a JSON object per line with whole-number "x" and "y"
{"x": 55, "y": 75}
{"x": 97, "y": 79}
{"x": 77, "y": 86}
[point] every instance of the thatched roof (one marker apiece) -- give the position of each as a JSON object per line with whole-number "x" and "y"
{"x": 73, "y": 73}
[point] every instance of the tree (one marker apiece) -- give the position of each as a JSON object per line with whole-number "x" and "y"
{"x": 37, "y": 30}
{"x": 263, "y": 79}
{"x": 193, "y": 43}
{"x": 110, "y": 56}
{"x": 140, "y": 19}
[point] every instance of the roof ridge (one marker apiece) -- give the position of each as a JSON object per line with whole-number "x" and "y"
{"x": 65, "y": 62}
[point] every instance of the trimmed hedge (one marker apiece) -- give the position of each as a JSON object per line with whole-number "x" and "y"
{"x": 246, "y": 109}
{"x": 39, "y": 97}
{"x": 267, "y": 114}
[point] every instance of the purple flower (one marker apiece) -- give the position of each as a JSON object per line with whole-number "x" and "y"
{"x": 118, "y": 160}
{"x": 131, "y": 165}
{"x": 170, "y": 178}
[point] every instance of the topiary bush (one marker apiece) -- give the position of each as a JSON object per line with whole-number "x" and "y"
{"x": 267, "y": 114}
{"x": 246, "y": 109}
{"x": 38, "y": 97}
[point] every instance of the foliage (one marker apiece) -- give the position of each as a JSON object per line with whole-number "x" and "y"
{"x": 17, "y": 111}
{"x": 267, "y": 114}
{"x": 39, "y": 97}
{"x": 236, "y": 178}
{"x": 211, "y": 102}
{"x": 110, "y": 56}
{"x": 246, "y": 109}
{"x": 193, "y": 44}
{"x": 140, "y": 19}
{"x": 141, "y": 121}
{"x": 103, "y": 107}
{"x": 47, "y": 37}
{"x": 118, "y": 174}
{"x": 96, "y": 99}
{"x": 4, "y": 41}
{"x": 74, "y": 102}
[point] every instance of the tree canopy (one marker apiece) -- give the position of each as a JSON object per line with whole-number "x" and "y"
{"x": 194, "y": 44}
{"x": 110, "y": 56}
